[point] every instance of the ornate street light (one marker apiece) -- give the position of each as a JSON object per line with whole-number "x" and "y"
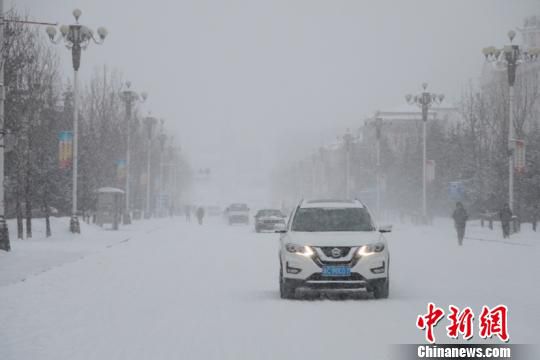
{"x": 76, "y": 37}
{"x": 508, "y": 58}
{"x": 348, "y": 139}
{"x": 424, "y": 101}
{"x": 129, "y": 97}
{"x": 162, "y": 139}
{"x": 150, "y": 124}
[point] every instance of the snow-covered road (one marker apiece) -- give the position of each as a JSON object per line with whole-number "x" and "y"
{"x": 211, "y": 292}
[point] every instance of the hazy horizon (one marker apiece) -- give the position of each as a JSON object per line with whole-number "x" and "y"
{"x": 243, "y": 84}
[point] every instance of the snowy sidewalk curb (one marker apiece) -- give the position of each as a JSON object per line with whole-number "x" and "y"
{"x": 36, "y": 256}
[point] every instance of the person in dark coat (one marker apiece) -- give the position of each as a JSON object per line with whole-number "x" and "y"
{"x": 460, "y": 217}
{"x": 505, "y": 215}
{"x": 200, "y": 214}
{"x": 534, "y": 216}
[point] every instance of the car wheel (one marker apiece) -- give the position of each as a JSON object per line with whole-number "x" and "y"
{"x": 257, "y": 229}
{"x": 286, "y": 291}
{"x": 381, "y": 290}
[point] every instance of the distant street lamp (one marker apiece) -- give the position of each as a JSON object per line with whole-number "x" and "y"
{"x": 129, "y": 97}
{"x": 347, "y": 140}
{"x": 378, "y": 125}
{"x": 424, "y": 101}
{"x": 149, "y": 123}
{"x": 510, "y": 57}
{"x": 76, "y": 38}
{"x": 161, "y": 184}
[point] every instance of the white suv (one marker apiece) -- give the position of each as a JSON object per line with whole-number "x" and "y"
{"x": 333, "y": 245}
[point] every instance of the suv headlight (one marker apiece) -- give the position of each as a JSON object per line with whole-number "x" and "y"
{"x": 370, "y": 249}
{"x": 303, "y": 250}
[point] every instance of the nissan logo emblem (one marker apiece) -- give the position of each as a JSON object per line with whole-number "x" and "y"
{"x": 336, "y": 252}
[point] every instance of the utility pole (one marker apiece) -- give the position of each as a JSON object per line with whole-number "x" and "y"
{"x": 4, "y": 233}
{"x": 348, "y": 138}
{"x": 510, "y": 56}
{"x": 378, "y": 124}
{"x": 424, "y": 101}
{"x": 150, "y": 123}
{"x": 129, "y": 97}
{"x": 76, "y": 37}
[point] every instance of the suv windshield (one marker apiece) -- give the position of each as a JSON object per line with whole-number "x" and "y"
{"x": 332, "y": 219}
{"x": 269, "y": 212}
{"x": 238, "y": 207}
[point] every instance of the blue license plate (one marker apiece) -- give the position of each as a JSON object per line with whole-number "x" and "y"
{"x": 336, "y": 271}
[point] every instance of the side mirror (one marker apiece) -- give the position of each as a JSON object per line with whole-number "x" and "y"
{"x": 385, "y": 228}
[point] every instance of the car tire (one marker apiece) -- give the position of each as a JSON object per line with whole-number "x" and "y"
{"x": 381, "y": 290}
{"x": 257, "y": 229}
{"x": 286, "y": 291}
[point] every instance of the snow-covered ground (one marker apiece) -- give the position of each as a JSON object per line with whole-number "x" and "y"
{"x": 35, "y": 255}
{"x": 181, "y": 291}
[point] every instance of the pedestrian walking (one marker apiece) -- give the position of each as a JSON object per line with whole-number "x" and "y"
{"x": 505, "y": 215}
{"x": 460, "y": 217}
{"x": 200, "y": 215}
{"x": 535, "y": 214}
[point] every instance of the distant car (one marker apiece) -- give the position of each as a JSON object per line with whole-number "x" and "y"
{"x": 237, "y": 213}
{"x": 333, "y": 245}
{"x": 269, "y": 219}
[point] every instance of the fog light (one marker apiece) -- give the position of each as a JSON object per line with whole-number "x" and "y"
{"x": 379, "y": 270}
{"x": 292, "y": 270}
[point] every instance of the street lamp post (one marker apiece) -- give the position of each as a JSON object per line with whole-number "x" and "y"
{"x": 129, "y": 97}
{"x": 174, "y": 181}
{"x": 510, "y": 57}
{"x": 162, "y": 140}
{"x": 4, "y": 233}
{"x": 150, "y": 123}
{"x": 314, "y": 184}
{"x": 378, "y": 125}
{"x": 321, "y": 173}
{"x": 424, "y": 101}
{"x": 76, "y": 38}
{"x": 348, "y": 139}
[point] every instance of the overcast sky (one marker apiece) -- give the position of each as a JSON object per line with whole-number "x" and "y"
{"x": 240, "y": 81}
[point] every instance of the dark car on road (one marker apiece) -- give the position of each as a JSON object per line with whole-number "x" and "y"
{"x": 237, "y": 214}
{"x": 269, "y": 220}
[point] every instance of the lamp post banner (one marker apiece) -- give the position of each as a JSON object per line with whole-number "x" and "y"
{"x": 65, "y": 149}
{"x": 519, "y": 156}
{"x": 456, "y": 190}
{"x": 121, "y": 170}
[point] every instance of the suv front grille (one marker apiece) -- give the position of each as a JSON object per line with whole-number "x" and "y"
{"x": 327, "y": 250}
{"x": 350, "y": 263}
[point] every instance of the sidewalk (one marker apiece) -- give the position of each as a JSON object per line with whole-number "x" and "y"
{"x": 526, "y": 236}
{"x": 39, "y": 254}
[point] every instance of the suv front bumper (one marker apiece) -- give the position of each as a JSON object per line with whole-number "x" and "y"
{"x": 366, "y": 271}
